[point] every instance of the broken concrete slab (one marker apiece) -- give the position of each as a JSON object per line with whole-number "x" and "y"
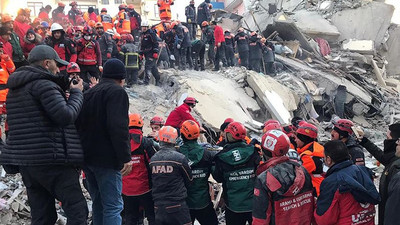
{"x": 276, "y": 107}
{"x": 261, "y": 83}
{"x": 360, "y": 46}
{"x": 314, "y": 25}
{"x": 329, "y": 81}
{"x": 288, "y": 31}
{"x": 393, "y": 53}
{"x": 359, "y": 24}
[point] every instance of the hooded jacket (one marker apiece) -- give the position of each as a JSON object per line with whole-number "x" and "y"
{"x": 283, "y": 194}
{"x": 201, "y": 162}
{"x": 179, "y": 115}
{"x": 41, "y": 120}
{"x": 235, "y": 168}
{"x": 392, "y": 167}
{"x": 348, "y": 196}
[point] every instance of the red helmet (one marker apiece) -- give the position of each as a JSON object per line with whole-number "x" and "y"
{"x": 70, "y": 31}
{"x": 344, "y": 125}
{"x": 228, "y": 120}
{"x": 237, "y": 130}
{"x": 157, "y": 121}
{"x": 190, "y": 100}
{"x": 308, "y": 130}
{"x": 78, "y": 28}
{"x": 173, "y": 24}
{"x": 73, "y": 68}
{"x": 276, "y": 142}
{"x": 87, "y": 30}
{"x": 268, "y": 122}
{"x": 73, "y": 3}
{"x": 103, "y": 10}
{"x": 122, "y": 6}
{"x": 131, "y": 6}
{"x": 128, "y": 37}
{"x": 272, "y": 126}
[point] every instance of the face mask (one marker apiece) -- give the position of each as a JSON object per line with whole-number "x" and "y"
{"x": 87, "y": 37}
{"x": 192, "y": 5}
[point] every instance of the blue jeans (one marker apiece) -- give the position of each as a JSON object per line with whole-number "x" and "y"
{"x": 105, "y": 187}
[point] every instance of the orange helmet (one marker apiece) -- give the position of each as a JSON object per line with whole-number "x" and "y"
{"x": 91, "y": 23}
{"x": 190, "y": 130}
{"x": 204, "y": 24}
{"x": 5, "y": 18}
{"x": 98, "y": 24}
{"x": 167, "y": 134}
{"x": 73, "y": 68}
{"x": 135, "y": 120}
{"x": 61, "y": 4}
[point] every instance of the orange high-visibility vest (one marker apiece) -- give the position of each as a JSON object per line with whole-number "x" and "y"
{"x": 307, "y": 153}
{"x": 124, "y": 24}
{"x": 6, "y": 68}
{"x": 106, "y": 20}
{"x": 165, "y": 9}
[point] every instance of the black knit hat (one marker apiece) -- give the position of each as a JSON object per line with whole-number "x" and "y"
{"x": 395, "y": 130}
{"x": 114, "y": 69}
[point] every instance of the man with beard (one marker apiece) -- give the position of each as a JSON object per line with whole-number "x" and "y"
{"x": 17, "y": 54}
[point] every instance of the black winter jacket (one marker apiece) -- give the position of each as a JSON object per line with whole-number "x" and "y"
{"x": 149, "y": 44}
{"x": 106, "y": 45}
{"x": 255, "y": 48}
{"x": 203, "y": 13}
{"x": 242, "y": 42}
{"x": 356, "y": 151}
{"x": 183, "y": 36}
{"x": 190, "y": 12}
{"x": 103, "y": 125}
{"x": 392, "y": 167}
{"x": 41, "y": 120}
{"x": 171, "y": 175}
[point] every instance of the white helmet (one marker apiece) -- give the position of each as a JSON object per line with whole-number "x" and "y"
{"x": 110, "y": 32}
{"x": 144, "y": 23}
{"x": 56, "y": 26}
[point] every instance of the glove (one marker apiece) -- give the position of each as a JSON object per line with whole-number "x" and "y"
{"x": 5, "y": 57}
{"x": 189, "y": 21}
{"x": 219, "y": 44}
{"x": 108, "y": 55}
{"x": 172, "y": 57}
{"x": 155, "y": 55}
{"x": 178, "y": 46}
{"x": 100, "y": 69}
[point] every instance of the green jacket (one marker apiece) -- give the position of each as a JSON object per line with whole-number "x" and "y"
{"x": 201, "y": 162}
{"x": 17, "y": 55}
{"x": 235, "y": 168}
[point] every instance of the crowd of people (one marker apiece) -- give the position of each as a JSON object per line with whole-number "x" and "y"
{"x": 62, "y": 86}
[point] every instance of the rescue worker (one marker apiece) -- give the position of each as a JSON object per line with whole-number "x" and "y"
{"x": 203, "y": 12}
{"x": 198, "y": 52}
{"x": 235, "y": 168}
{"x": 105, "y": 42}
{"x": 219, "y": 45}
{"x": 7, "y": 67}
{"x": 190, "y": 13}
{"x": 64, "y": 47}
{"x": 255, "y": 57}
{"x": 123, "y": 25}
{"x": 311, "y": 152}
{"x": 283, "y": 192}
{"x": 389, "y": 157}
{"x": 92, "y": 15}
{"x": 348, "y": 194}
{"x": 17, "y": 54}
{"x": 74, "y": 13}
{"x": 44, "y": 13}
{"x": 183, "y": 45}
{"x": 343, "y": 131}
{"x": 136, "y": 186}
{"x": 171, "y": 175}
{"x": 164, "y": 7}
{"x": 136, "y": 21}
{"x": 21, "y": 24}
{"x": 130, "y": 57}
{"x": 149, "y": 50}
{"x": 106, "y": 19}
{"x": 155, "y": 124}
{"x": 31, "y": 39}
{"x": 208, "y": 33}
{"x": 229, "y": 48}
{"x": 89, "y": 56}
{"x": 5, "y": 34}
{"x": 201, "y": 162}
{"x": 182, "y": 113}
{"x": 73, "y": 72}
{"x": 268, "y": 56}
{"x": 58, "y": 13}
